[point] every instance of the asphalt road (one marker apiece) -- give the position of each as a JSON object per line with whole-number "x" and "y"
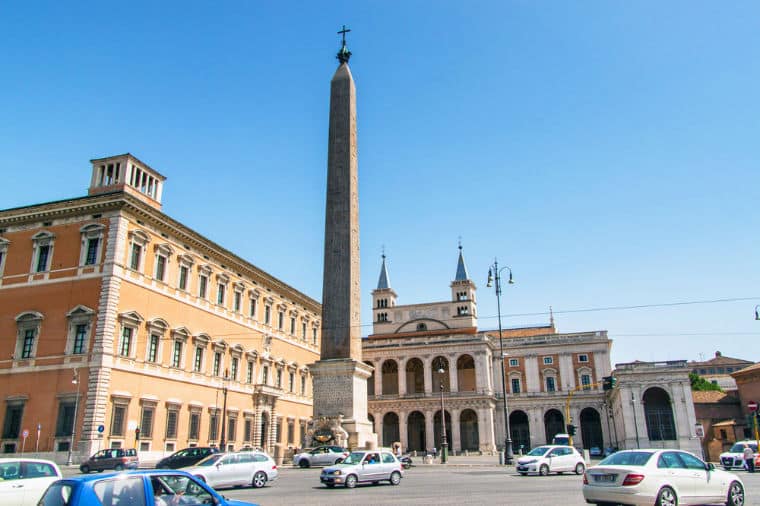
{"x": 438, "y": 485}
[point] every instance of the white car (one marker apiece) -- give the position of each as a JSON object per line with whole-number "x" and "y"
{"x": 363, "y": 466}
{"x": 23, "y": 481}
{"x": 233, "y": 469}
{"x": 551, "y": 459}
{"x": 320, "y": 456}
{"x": 734, "y": 458}
{"x": 660, "y": 477}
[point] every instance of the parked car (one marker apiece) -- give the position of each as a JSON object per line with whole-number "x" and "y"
{"x": 186, "y": 457}
{"x": 595, "y": 451}
{"x": 561, "y": 439}
{"x": 117, "y": 459}
{"x": 660, "y": 477}
{"x": 734, "y": 458}
{"x": 23, "y": 481}
{"x": 153, "y": 487}
{"x": 406, "y": 461}
{"x": 320, "y": 456}
{"x": 551, "y": 459}
{"x": 364, "y": 466}
{"x": 232, "y": 469}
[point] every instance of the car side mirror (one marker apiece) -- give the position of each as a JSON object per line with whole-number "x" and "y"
{"x": 339, "y": 461}
{"x": 710, "y": 466}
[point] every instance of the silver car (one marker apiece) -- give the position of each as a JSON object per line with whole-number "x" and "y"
{"x": 360, "y": 466}
{"x": 233, "y": 469}
{"x": 320, "y": 456}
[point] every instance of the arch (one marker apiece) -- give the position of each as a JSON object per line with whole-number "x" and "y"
{"x": 371, "y": 380}
{"x": 659, "y": 415}
{"x": 411, "y": 325}
{"x": 437, "y": 378}
{"x": 415, "y": 429}
{"x": 466, "y": 373}
{"x": 554, "y": 423}
{"x": 29, "y": 316}
{"x": 468, "y": 430}
{"x": 390, "y": 429}
{"x": 519, "y": 429}
{"x": 437, "y": 430}
{"x": 591, "y": 428}
{"x": 390, "y": 377}
{"x": 415, "y": 376}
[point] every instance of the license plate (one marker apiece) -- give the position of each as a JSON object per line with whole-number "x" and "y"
{"x": 604, "y": 478}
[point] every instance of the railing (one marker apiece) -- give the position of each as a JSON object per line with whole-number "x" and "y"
{"x": 433, "y": 395}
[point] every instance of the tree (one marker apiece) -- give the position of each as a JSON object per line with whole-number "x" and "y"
{"x": 699, "y": 384}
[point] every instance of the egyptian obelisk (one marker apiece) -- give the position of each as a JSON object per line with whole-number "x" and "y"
{"x": 340, "y": 376}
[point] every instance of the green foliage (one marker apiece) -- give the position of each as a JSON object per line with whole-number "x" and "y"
{"x": 698, "y": 383}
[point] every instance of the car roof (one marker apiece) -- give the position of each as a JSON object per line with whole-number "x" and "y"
{"x": 85, "y": 478}
{"x": 25, "y": 459}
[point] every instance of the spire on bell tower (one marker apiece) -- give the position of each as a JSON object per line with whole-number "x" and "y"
{"x": 463, "y": 290}
{"x": 383, "y": 298}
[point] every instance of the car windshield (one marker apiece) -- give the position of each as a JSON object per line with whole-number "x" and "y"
{"x": 739, "y": 448}
{"x": 210, "y": 460}
{"x": 354, "y": 458}
{"x": 627, "y": 459}
{"x": 538, "y": 452}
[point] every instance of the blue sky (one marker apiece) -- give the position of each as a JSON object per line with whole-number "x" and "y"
{"x": 606, "y": 151}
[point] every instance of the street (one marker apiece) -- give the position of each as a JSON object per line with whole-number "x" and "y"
{"x": 439, "y": 485}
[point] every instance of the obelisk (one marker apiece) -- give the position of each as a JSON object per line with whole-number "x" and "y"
{"x": 340, "y": 376}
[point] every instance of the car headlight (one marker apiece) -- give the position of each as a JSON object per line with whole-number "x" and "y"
{"x": 532, "y": 461}
{"x": 337, "y": 472}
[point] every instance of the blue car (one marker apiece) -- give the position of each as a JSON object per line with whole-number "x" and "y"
{"x": 154, "y": 487}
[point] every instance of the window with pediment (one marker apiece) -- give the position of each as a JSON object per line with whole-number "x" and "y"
{"x": 42, "y": 251}
{"x": 28, "y": 326}
{"x": 80, "y": 325}
{"x": 92, "y": 244}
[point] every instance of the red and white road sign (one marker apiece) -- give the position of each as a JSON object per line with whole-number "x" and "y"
{"x": 25, "y": 434}
{"x": 752, "y": 406}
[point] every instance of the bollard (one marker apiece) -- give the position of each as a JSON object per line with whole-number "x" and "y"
{"x": 501, "y": 459}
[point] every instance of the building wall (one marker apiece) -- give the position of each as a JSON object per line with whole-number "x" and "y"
{"x": 111, "y": 296}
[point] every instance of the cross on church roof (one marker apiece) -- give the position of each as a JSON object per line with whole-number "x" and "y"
{"x": 344, "y": 54}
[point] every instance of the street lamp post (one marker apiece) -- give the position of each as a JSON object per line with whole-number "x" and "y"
{"x": 444, "y": 442}
{"x": 222, "y": 440}
{"x": 494, "y": 279}
{"x": 75, "y": 381}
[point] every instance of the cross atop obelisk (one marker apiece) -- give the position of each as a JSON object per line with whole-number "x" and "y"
{"x": 340, "y": 376}
{"x": 344, "y": 54}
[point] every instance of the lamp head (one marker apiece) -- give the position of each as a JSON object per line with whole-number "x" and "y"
{"x": 757, "y": 312}
{"x": 75, "y": 379}
{"x": 441, "y": 370}
{"x": 510, "y": 277}
{"x": 489, "y": 284}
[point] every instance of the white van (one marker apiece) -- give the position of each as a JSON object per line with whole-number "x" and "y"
{"x": 561, "y": 439}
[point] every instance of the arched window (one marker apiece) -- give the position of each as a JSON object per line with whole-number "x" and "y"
{"x": 659, "y": 415}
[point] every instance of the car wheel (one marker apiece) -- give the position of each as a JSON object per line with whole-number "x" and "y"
{"x": 303, "y": 463}
{"x": 85, "y": 469}
{"x": 735, "y": 494}
{"x": 543, "y": 470}
{"x": 259, "y": 479}
{"x": 351, "y": 481}
{"x": 395, "y": 478}
{"x": 666, "y": 497}
{"x": 725, "y": 468}
{"x": 579, "y": 468}
{"x": 118, "y": 467}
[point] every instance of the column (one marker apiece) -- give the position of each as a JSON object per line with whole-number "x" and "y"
{"x": 455, "y": 438}
{"x": 429, "y": 430}
{"x": 403, "y": 436}
{"x": 378, "y": 378}
{"x": 486, "y": 434}
{"x": 566, "y": 372}
{"x": 427, "y": 369}
{"x": 402, "y": 377}
{"x": 453, "y": 375}
{"x": 532, "y": 378}
{"x": 379, "y": 429}
{"x": 537, "y": 429}
{"x": 257, "y": 426}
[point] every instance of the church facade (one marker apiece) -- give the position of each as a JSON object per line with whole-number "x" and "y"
{"x": 431, "y": 358}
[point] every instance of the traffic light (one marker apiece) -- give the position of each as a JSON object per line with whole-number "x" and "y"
{"x": 570, "y": 429}
{"x": 609, "y": 382}
{"x": 137, "y": 433}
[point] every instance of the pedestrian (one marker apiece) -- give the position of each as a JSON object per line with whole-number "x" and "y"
{"x": 435, "y": 452}
{"x": 749, "y": 458}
